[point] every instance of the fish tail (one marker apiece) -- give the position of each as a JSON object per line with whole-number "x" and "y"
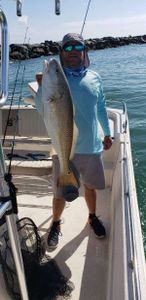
{"x": 68, "y": 179}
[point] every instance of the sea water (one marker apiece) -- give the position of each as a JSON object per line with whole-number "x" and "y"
{"x": 123, "y": 71}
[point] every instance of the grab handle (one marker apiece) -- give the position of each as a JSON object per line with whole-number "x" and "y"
{"x": 4, "y": 58}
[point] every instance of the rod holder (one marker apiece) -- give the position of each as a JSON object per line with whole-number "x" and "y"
{"x": 57, "y": 7}
{"x": 19, "y": 8}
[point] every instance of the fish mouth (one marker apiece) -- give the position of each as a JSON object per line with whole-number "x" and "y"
{"x": 52, "y": 63}
{"x": 52, "y": 60}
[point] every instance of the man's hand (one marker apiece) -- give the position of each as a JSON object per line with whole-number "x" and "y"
{"x": 107, "y": 142}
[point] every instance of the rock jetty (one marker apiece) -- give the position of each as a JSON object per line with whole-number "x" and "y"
{"x": 27, "y": 51}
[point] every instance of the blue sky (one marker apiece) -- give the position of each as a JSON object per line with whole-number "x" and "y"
{"x": 105, "y": 18}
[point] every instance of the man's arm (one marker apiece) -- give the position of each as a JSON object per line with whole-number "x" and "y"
{"x": 107, "y": 142}
{"x": 103, "y": 118}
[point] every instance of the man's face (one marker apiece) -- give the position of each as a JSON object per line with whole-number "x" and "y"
{"x": 74, "y": 58}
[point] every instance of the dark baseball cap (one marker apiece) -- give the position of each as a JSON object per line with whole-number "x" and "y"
{"x": 72, "y": 37}
{"x": 75, "y": 37}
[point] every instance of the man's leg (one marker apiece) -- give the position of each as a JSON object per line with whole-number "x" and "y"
{"x": 58, "y": 207}
{"x": 90, "y": 197}
{"x": 96, "y": 224}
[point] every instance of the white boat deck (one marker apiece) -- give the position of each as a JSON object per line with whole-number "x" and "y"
{"x": 109, "y": 269}
{"x": 81, "y": 257}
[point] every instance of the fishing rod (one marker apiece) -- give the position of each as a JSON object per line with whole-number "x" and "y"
{"x": 14, "y": 88}
{"x": 86, "y": 13}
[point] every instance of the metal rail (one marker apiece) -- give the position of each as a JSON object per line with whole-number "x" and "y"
{"x": 125, "y": 115}
{"x": 4, "y": 58}
{"x": 133, "y": 274}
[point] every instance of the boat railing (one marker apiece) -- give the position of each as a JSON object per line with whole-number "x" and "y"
{"x": 134, "y": 253}
{"x": 118, "y": 104}
{"x": 4, "y": 58}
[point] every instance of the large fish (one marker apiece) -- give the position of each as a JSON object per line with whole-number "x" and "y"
{"x": 58, "y": 116}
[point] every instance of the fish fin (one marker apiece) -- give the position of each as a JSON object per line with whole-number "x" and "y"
{"x": 45, "y": 66}
{"x": 33, "y": 87}
{"x": 75, "y": 136}
{"x": 29, "y": 100}
{"x": 38, "y": 101}
{"x": 52, "y": 151}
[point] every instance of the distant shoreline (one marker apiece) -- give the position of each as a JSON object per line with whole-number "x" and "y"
{"x": 27, "y": 51}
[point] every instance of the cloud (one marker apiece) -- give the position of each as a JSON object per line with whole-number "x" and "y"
{"x": 109, "y": 21}
{"x": 122, "y": 26}
{"x": 120, "y": 20}
{"x": 116, "y": 26}
{"x": 131, "y": 25}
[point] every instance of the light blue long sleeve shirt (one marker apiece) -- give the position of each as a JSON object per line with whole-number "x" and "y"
{"x": 90, "y": 107}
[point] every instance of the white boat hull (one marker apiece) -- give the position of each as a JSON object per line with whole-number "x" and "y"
{"x": 110, "y": 269}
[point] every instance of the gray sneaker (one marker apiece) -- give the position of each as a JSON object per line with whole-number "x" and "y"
{"x": 97, "y": 227}
{"x": 53, "y": 237}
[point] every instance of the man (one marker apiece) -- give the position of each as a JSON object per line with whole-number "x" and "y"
{"x": 89, "y": 102}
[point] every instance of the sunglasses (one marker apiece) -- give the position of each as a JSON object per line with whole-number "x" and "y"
{"x": 69, "y": 48}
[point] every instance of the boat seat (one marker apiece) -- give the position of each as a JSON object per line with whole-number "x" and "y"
{"x": 36, "y": 167}
{"x": 32, "y": 155}
{"x": 44, "y": 167}
{"x": 31, "y": 137}
{"x": 29, "y": 143}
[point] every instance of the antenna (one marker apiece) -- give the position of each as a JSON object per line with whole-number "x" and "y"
{"x": 86, "y": 13}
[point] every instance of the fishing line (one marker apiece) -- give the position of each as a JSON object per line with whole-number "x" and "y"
{"x": 19, "y": 100}
{"x": 17, "y": 116}
{"x": 86, "y": 13}
{"x": 14, "y": 89}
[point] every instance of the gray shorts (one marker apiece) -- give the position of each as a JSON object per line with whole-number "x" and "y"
{"x": 89, "y": 167}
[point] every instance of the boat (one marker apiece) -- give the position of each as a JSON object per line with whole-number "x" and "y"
{"x": 109, "y": 269}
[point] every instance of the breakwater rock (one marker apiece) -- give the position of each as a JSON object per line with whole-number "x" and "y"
{"x": 26, "y": 51}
